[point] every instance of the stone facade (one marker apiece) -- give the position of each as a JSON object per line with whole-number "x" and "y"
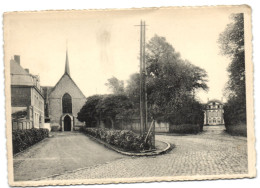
{"x": 214, "y": 113}
{"x": 63, "y": 102}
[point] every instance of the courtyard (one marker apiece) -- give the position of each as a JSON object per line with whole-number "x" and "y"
{"x": 69, "y": 155}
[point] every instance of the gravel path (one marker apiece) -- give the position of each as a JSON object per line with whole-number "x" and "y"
{"x": 63, "y": 152}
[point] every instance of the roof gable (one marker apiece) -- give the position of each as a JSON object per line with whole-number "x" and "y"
{"x": 19, "y": 76}
{"x": 66, "y": 85}
{"x": 214, "y": 100}
{"x": 16, "y": 68}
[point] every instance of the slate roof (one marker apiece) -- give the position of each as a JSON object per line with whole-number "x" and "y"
{"x": 19, "y": 76}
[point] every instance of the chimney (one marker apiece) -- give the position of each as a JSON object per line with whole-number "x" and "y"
{"x": 17, "y": 59}
{"x": 27, "y": 70}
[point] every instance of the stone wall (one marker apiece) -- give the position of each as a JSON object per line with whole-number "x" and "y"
{"x": 134, "y": 125}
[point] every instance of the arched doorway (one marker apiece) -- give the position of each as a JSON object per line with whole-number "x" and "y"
{"x": 67, "y": 123}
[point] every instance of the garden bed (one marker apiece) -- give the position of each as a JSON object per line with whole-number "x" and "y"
{"x": 123, "y": 140}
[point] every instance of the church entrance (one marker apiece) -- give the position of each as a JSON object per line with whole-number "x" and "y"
{"x": 67, "y": 123}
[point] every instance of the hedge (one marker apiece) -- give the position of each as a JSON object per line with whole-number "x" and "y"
{"x": 237, "y": 130}
{"x": 122, "y": 139}
{"x": 235, "y": 116}
{"x": 23, "y": 139}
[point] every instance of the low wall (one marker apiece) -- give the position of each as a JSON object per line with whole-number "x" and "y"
{"x": 186, "y": 128}
{"x": 135, "y": 126}
{"x": 162, "y": 127}
{"x": 22, "y": 124}
{"x": 47, "y": 126}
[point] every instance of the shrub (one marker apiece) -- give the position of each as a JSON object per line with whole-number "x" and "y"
{"x": 23, "y": 139}
{"x": 124, "y": 139}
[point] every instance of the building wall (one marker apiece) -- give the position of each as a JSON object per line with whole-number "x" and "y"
{"x": 214, "y": 113}
{"x": 55, "y": 112}
{"x": 20, "y": 96}
{"x": 37, "y": 103}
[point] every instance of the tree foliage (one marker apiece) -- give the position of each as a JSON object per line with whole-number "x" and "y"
{"x": 112, "y": 106}
{"x": 133, "y": 89}
{"x": 171, "y": 87}
{"x": 105, "y": 108}
{"x": 115, "y": 85}
{"x": 231, "y": 42}
{"x": 88, "y": 113}
{"x": 171, "y": 81}
{"x": 232, "y": 45}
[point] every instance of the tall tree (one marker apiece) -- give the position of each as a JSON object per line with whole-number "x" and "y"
{"x": 231, "y": 42}
{"x": 115, "y": 85}
{"x": 232, "y": 45}
{"x": 171, "y": 81}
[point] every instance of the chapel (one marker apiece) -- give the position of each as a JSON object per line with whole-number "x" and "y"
{"x": 63, "y": 102}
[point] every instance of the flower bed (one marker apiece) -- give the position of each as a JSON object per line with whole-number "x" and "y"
{"x": 124, "y": 139}
{"x": 23, "y": 139}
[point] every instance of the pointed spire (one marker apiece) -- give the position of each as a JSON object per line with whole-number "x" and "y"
{"x": 67, "y": 67}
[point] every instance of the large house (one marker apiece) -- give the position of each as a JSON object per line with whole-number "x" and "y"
{"x": 27, "y": 101}
{"x": 214, "y": 113}
{"x": 63, "y": 102}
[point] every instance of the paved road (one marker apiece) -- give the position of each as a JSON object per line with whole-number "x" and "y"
{"x": 211, "y": 153}
{"x": 64, "y": 152}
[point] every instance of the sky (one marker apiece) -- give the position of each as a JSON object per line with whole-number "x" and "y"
{"x": 102, "y": 44}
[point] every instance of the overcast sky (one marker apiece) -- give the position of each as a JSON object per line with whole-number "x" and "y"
{"x": 102, "y": 44}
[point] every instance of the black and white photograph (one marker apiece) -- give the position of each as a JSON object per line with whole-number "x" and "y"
{"x": 129, "y": 95}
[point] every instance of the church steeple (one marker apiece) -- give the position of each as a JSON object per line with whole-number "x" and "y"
{"x": 67, "y": 67}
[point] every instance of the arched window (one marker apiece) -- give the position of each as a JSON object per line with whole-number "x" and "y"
{"x": 66, "y": 103}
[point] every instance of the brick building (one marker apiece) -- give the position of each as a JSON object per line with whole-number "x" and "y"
{"x": 27, "y": 100}
{"x": 214, "y": 113}
{"x": 63, "y": 102}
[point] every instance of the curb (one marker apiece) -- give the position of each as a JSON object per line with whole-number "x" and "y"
{"x": 153, "y": 153}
